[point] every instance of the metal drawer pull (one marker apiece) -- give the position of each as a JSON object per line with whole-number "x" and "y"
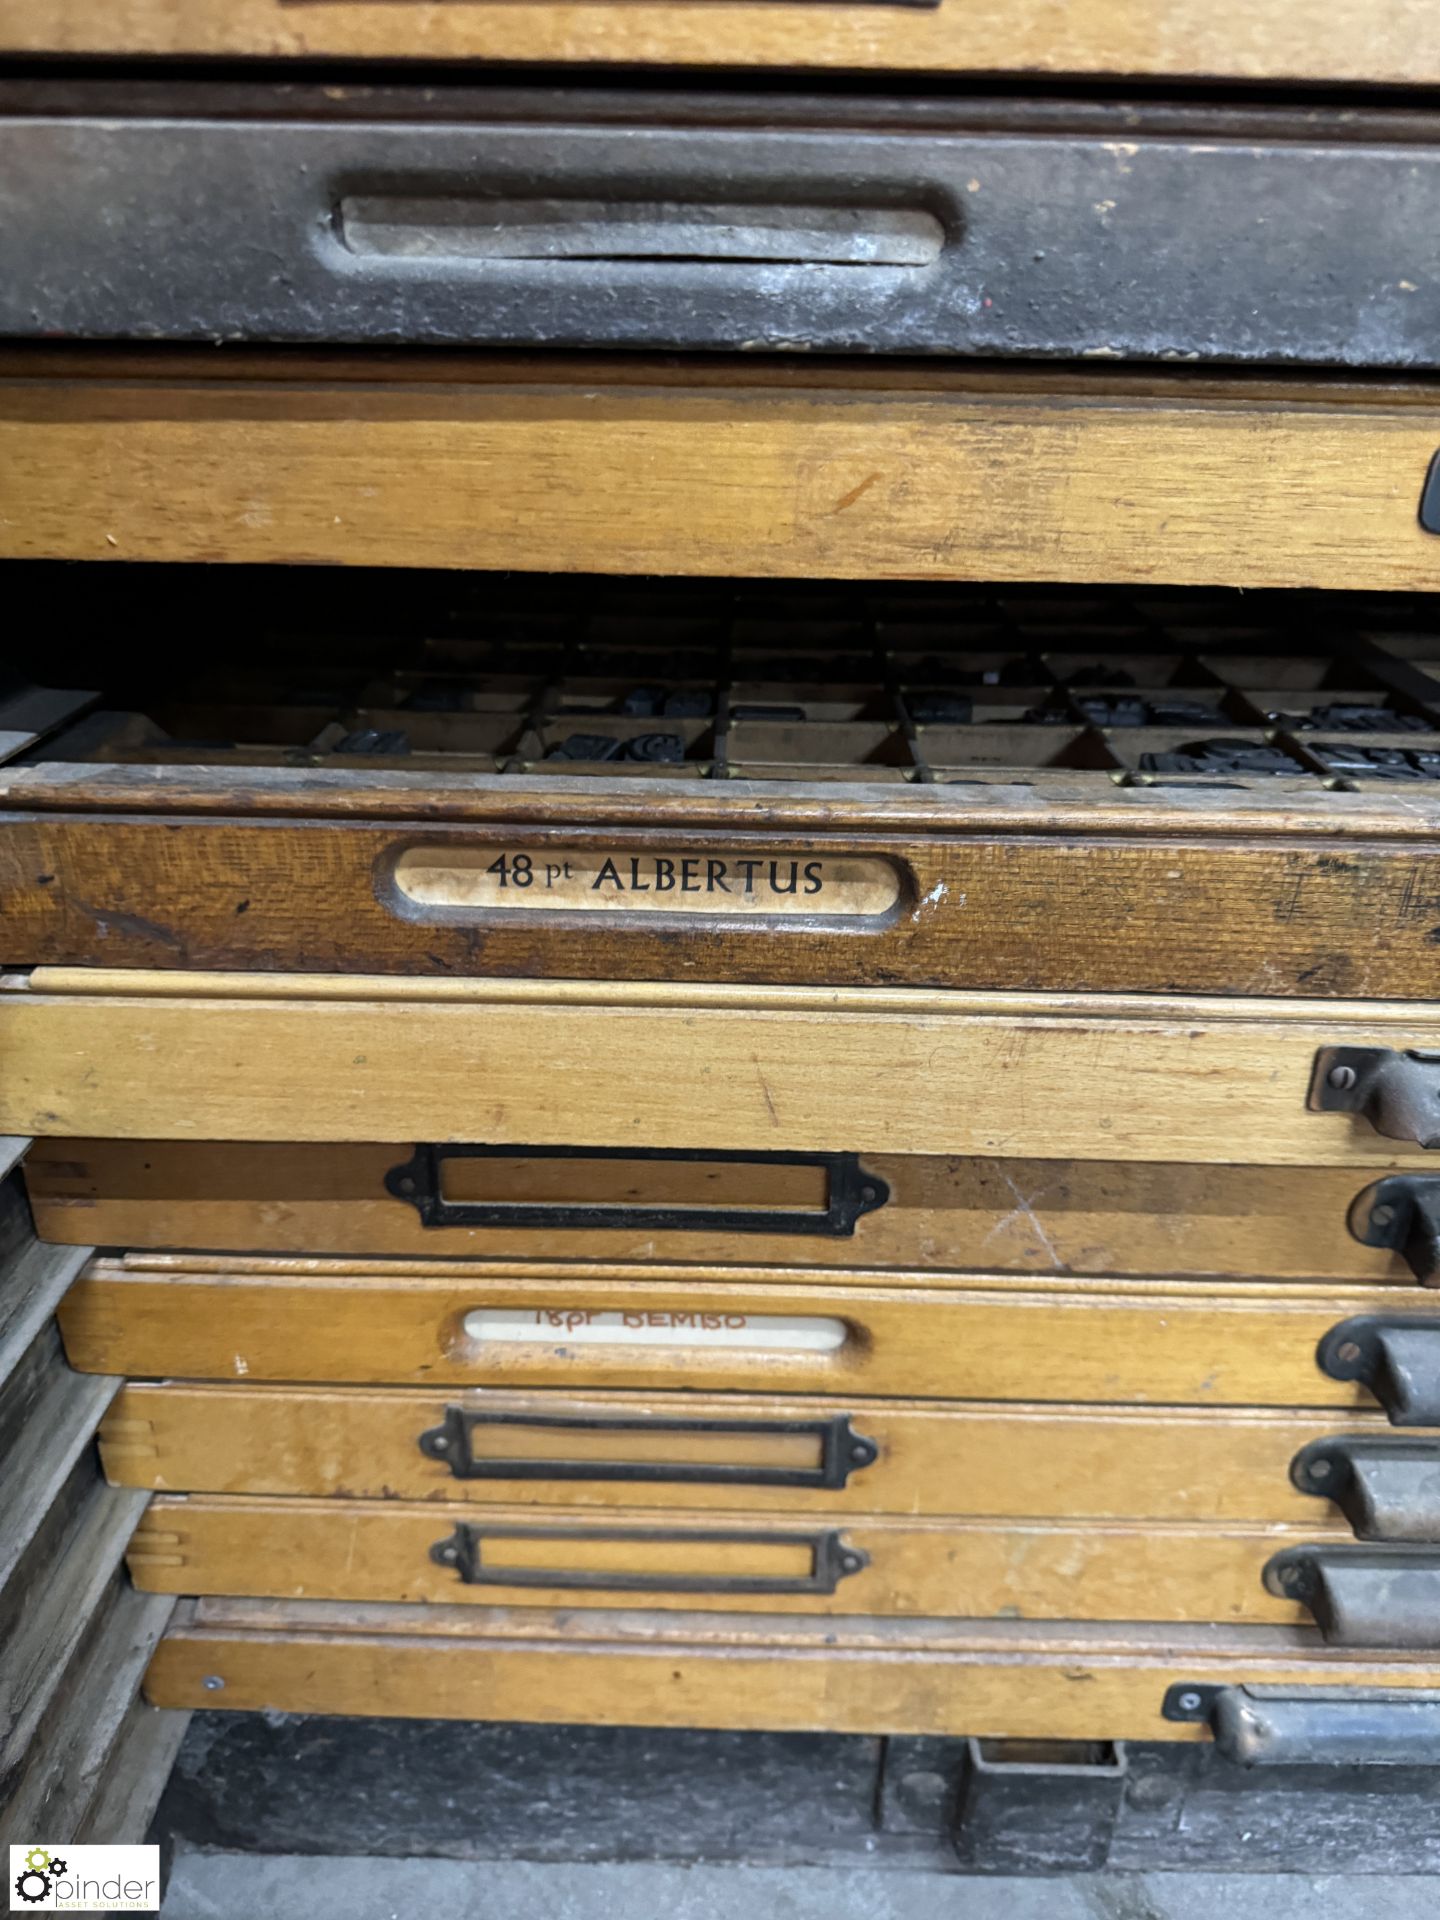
{"x": 1398, "y": 1093}
{"x": 452, "y": 226}
{"x": 1396, "y": 1355}
{"x": 1388, "y": 1489}
{"x": 1364, "y": 1596}
{"x": 1403, "y": 1214}
{"x": 1430, "y": 498}
{"x": 1314, "y": 1726}
{"x": 839, "y": 1450}
{"x": 850, "y": 1190}
{"x": 830, "y": 1560}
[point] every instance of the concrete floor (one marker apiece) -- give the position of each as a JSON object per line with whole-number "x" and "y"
{"x": 233, "y": 1886}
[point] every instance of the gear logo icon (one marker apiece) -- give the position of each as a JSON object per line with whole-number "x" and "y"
{"x": 42, "y": 1868}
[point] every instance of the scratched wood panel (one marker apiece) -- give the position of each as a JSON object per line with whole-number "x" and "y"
{"x": 1326, "y": 895}
{"x": 155, "y": 1055}
{"x": 381, "y": 1551}
{"x": 1005, "y": 1679}
{"x": 1374, "y": 41}
{"x": 943, "y": 1214}
{"x": 1196, "y": 1343}
{"x": 928, "y": 475}
{"x": 976, "y": 1460}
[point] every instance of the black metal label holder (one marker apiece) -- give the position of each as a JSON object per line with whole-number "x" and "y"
{"x": 851, "y": 1191}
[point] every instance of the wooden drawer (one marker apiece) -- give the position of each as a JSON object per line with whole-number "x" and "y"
{"x": 1001, "y": 1679}
{"x": 798, "y": 472}
{"x": 1055, "y": 882}
{"x": 901, "y": 785}
{"x": 886, "y": 1565}
{"x": 770, "y": 1454}
{"x": 158, "y": 1055}
{"x": 402, "y": 1324}
{"x": 926, "y": 1213}
{"x": 1364, "y": 41}
{"x": 506, "y": 217}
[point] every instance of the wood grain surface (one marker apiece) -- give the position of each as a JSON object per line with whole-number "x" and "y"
{"x": 211, "y": 1056}
{"x": 1375, "y": 41}
{"x": 388, "y": 1323}
{"x": 977, "y": 1460}
{"x": 381, "y": 1551}
{"x": 1003, "y": 1679}
{"x": 926, "y": 474}
{"x": 943, "y": 1214}
{"x": 1332, "y": 894}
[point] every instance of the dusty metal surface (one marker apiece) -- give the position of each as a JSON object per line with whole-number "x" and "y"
{"x": 564, "y": 220}
{"x": 277, "y": 1783}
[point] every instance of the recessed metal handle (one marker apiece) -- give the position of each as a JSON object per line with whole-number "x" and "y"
{"x": 443, "y": 225}
{"x": 841, "y": 1451}
{"x": 850, "y": 1191}
{"x": 831, "y": 1561}
{"x": 1395, "y": 1355}
{"x": 1397, "y": 1092}
{"x": 1387, "y": 1488}
{"x": 1314, "y": 1726}
{"x": 1364, "y": 1596}
{"x": 1403, "y": 1214}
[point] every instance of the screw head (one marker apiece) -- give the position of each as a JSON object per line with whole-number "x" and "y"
{"x": 1342, "y": 1078}
{"x": 212, "y": 1683}
{"x": 439, "y": 1442}
{"x": 1289, "y": 1576}
{"x": 1319, "y": 1469}
{"x": 1348, "y": 1351}
{"x": 850, "y": 1562}
{"x": 1189, "y": 1702}
{"x": 1383, "y": 1215}
{"x": 448, "y": 1554}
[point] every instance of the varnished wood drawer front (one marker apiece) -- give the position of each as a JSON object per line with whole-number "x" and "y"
{"x": 1364, "y": 41}
{"x": 617, "y": 1064}
{"x": 739, "y": 1453}
{"x": 392, "y": 1324}
{"x": 508, "y": 1555}
{"x": 1015, "y": 1679}
{"x": 924, "y": 1213}
{"x": 797, "y": 472}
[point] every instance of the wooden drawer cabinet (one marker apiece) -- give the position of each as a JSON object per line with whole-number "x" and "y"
{"x": 1015, "y": 1679}
{"x": 394, "y": 1323}
{"x": 769, "y": 1453}
{"x": 924, "y": 1213}
{"x": 1379, "y": 42}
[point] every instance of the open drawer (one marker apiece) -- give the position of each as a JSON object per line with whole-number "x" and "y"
{"x": 429, "y": 776}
